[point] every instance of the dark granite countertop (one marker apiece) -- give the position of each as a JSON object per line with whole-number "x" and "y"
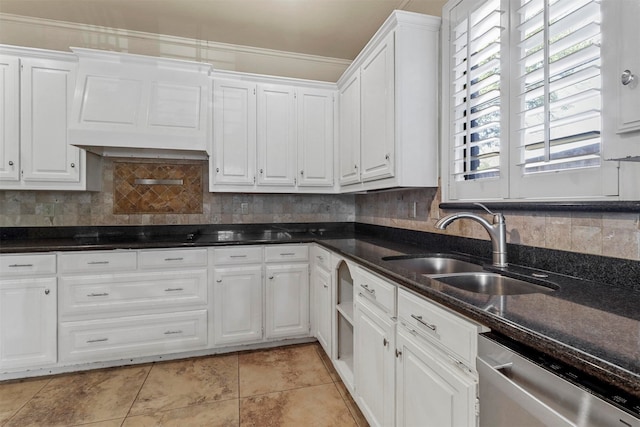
{"x": 592, "y": 326}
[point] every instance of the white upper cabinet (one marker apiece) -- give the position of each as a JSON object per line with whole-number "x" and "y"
{"x": 9, "y": 118}
{"x": 621, "y": 80}
{"x": 389, "y": 108}
{"x": 37, "y": 91}
{"x": 124, "y": 102}
{"x": 349, "y": 129}
{"x": 272, "y": 135}
{"x": 276, "y": 135}
{"x": 47, "y": 91}
{"x": 315, "y": 137}
{"x": 234, "y": 133}
{"x": 377, "y": 112}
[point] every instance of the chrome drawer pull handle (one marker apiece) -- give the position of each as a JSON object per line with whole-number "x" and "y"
{"x": 20, "y": 265}
{"x": 97, "y": 262}
{"x": 174, "y": 259}
{"x": 287, "y": 254}
{"x": 428, "y": 325}
{"x": 173, "y": 289}
{"x": 237, "y": 256}
{"x": 326, "y": 286}
{"x": 98, "y": 340}
{"x": 366, "y": 288}
{"x": 103, "y": 294}
{"x": 173, "y": 332}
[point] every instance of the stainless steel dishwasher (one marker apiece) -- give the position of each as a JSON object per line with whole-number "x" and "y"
{"x": 524, "y": 391}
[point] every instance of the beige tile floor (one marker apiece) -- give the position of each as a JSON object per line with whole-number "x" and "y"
{"x": 285, "y": 386}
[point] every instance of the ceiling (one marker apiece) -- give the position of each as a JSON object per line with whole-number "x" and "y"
{"x": 330, "y": 28}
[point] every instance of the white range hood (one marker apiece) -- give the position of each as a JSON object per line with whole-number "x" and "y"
{"x": 140, "y": 106}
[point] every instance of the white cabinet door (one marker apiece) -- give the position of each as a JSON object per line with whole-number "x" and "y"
{"x": 234, "y": 133}
{"x": 315, "y": 137}
{"x": 9, "y": 118}
{"x": 349, "y": 131}
{"x": 377, "y": 112}
{"x": 47, "y": 87}
{"x": 322, "y": 305}
{"x": 276, "y": 135}
{"x": 28, "y": 323}
{"x": 628, "y": 72}
{"x": 237, "y": 295}
{"x": 374, "y": 365}
{"x": 429, "y": 391}
{"x": 287, "y": 300}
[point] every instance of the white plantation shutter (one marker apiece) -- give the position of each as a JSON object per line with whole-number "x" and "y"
{"x": 523, "y": 86}
{"x": 559, "y": 82}
{"x": 476, "y": 93}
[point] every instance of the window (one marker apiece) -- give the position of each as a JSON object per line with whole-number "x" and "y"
{"x": 522, "y": 101}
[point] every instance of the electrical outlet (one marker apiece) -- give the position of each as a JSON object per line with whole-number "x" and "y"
{"x": 244, "y": 208}
{"x": 48, "y": 209}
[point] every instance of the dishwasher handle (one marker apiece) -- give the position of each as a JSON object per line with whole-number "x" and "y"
{"x": 509, "y": 392}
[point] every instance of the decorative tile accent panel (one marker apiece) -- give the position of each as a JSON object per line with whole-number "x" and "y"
{"x": 152, "y": 188}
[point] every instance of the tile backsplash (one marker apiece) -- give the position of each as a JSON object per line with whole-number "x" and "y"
{"x": 609, "y": 234}
{"x": 68, "y": 208}
{"x": 156, "y": 188}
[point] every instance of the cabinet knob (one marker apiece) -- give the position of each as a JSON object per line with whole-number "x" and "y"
{"x": 47, "y": 291}
{"x": 387, "y": 157}
{"x": 219, "y": 281}
{"x": 10, "y": 162}
{"x": 261, "y": 171}
{"x": 271, "y": 278}
{"x": 355, "y": 166}
{"x": 217, "y": 170}
{"x": 398, "y": 353}
{"x": 301, "y": 172}
{"x": 385, "y": 342}
{"x": 627, "y": 77}
{"x": 73, "y": 165}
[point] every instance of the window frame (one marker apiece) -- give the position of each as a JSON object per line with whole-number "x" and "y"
{"x": 597, "y": 183}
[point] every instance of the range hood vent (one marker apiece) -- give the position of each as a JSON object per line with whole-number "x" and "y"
{"x": 129, "y": 105}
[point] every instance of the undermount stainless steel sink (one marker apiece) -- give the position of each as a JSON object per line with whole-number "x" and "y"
{"x": 492, "y": 284}
{"x": 432, "y": 264}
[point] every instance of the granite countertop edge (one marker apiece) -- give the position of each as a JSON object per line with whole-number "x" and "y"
{"x": 601, "y": 369}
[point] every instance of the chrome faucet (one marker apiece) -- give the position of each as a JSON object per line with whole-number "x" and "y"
{"x": 497, "y": 231}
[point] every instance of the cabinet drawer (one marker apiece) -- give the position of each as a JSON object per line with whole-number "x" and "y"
{"x": 238, "y": 255}
{"x": 286, "y": 253}
{"x": 173, "y": 258}
{"x": 453, "y": 333}
{"x": 322, "y": 258}
{"x": 90, "y": 261}
{"x": 103, "y": 295}
{"x": 135, "y": 336}
{"x": 27, "y": 265}
{"x": 377, "y": 290}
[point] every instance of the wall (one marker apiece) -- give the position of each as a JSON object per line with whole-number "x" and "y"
{"x": 68, "y": 208}
{"x": 609, "y": 234}
{"x": 56, "y": 35}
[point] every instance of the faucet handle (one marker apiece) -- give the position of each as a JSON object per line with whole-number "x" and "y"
{"x": 484, "y": 207}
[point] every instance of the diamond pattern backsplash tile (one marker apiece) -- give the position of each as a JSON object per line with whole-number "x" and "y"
{"x": 177, "y": 188}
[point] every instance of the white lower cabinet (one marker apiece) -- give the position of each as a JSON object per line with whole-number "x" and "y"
{"x": 132, "y": 336}
{"x": 237, "y": 304}
{"x": 125, "y": 304}
{"x": 430, "y": 390}
{"x": 321, "y": 285}
{"x": 374, "y": 363}
{"x": 27, "y": 323}
{"x": 287, "y": 300}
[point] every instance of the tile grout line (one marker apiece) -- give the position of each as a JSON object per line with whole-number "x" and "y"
{"x": 137, "y": 394}
{"x": 27, "y": 402}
